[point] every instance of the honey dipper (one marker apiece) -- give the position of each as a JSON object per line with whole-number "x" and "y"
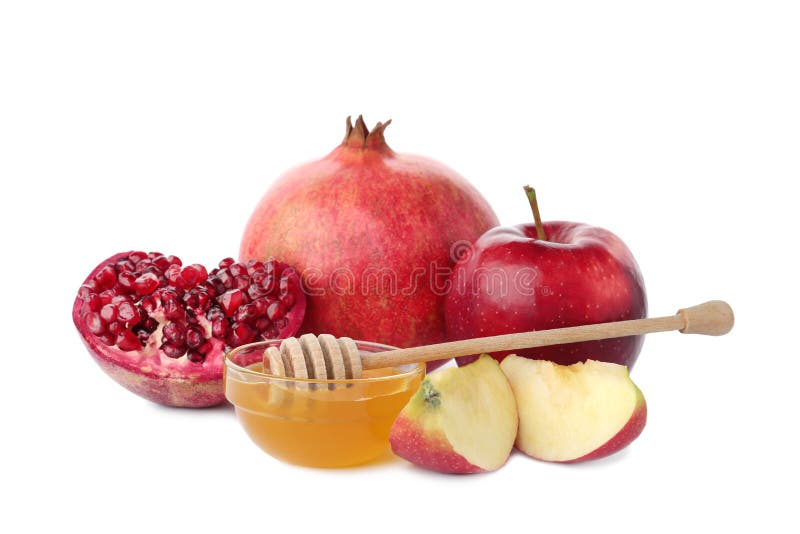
{"x": 328, "y": 357}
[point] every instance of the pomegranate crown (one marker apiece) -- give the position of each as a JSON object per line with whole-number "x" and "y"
{"x": 359, "y": 136}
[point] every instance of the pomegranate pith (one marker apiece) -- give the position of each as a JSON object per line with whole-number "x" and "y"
{"x": 161, "y": 329}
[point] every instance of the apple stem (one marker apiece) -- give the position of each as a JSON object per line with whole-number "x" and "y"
{"x": 531, "y": 192}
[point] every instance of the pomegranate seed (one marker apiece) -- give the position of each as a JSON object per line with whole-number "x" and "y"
{"x": 270, "y": 266}
{"x": 230, "y": 301}
{"x": 209, "y": 288}
{"x": 176, "y": 294}
{"x": 125, "y": 279}
{"x": 225, "y": 277}
{"x": 280, "y": 324}
{"x": 87, "y": 290}
{"x": 94, "y": 323}
{"x": 146, "y": 283}
{"x": 247, "y": 313}
{"x": 214, "y": 313}
{"x": 173, "y": 273}
{"x": 116, "y": 300}
{"x": 174, "y": 260}
{"x": 144, "y": 264}
{"x": 161, "y": 262}
{"x": 217, "y": 285}
{"x": 237, "y": 269}
{"x": 276, "y": 310}
{"x": 174, "y": 333}
{"x": 240, "y": 334}
{"x": 225, "y": 263}
{"x": 173, "y": 351}
{"x": 152, "y": 269}
{"x": 108, "y": 313}
{"x": 149, "y": 325}
{"x": 137, "y": 256}
{"x": 219, "y": 328}
{"x": 127, "y": 340}
{"x": 191, "y": 316}
{"x": 194, "y": 274}
{"x": 241, "y": 282}
{"x": 92, "y": 303}
{"x": 195, "y": 356}
{"x": 128, "y": 313}
{"x": 287, "y": 283}
{"x": 150, "y": 303}
{"x": 260, "y": 306}
{"x": 254, "y": 266}
{"x": 257, "y": 277}
{"x": 190, "y": 299}
{"x": 106, "y": 277}
{"x": 107, "y": 338}
{"x": 194, "y": 338}
{"x": 272, "y": 332}
{"x": 263, "y": 323}
{"x": 124, "y": 265}
{"x": 287, "y": 300}
{"x": 106, "y": 296}
{"x": 269, "y": 284}
{"x": 168, "y": 295}
{"x": 203, "y": 300}
{"x": 115, "y": 328}
{"x": 255, "y": 292}
{"x": 174, "y": 311}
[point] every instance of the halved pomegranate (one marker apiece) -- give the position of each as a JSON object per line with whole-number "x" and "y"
{"x": 160, "y": 329}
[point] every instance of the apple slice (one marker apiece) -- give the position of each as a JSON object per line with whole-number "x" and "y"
{"x": 572, "y": 413}
{"x": 461, "y": 420}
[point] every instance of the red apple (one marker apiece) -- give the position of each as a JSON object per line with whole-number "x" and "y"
{"x": 513, "y": 280}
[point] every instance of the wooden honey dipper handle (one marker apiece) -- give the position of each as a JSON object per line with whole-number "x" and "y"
{"x": 713, "y": 318}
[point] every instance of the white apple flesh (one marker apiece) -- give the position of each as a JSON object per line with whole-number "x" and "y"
{"x": 571, "y": 413}
{"x": 461, "y": 420}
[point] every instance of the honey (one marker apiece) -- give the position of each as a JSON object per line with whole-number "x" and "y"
{"x": 321, "y": 425}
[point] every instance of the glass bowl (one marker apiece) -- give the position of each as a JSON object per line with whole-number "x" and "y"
{"x": 318, "y": 423}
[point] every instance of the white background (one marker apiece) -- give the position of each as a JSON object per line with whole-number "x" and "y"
{"x": 158, "y": 125}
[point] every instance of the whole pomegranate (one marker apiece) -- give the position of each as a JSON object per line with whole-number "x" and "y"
{"x": 161, "y": 330}
{"x": 374, "y": 235}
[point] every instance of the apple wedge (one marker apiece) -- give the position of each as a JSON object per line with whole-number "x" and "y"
{"x": 572, "y": 413}
{"x": 461, "y": 420}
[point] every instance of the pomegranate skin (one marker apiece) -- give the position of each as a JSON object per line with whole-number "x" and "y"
{"x": 199, "y": 392}
{"x": 374, "y": 235}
